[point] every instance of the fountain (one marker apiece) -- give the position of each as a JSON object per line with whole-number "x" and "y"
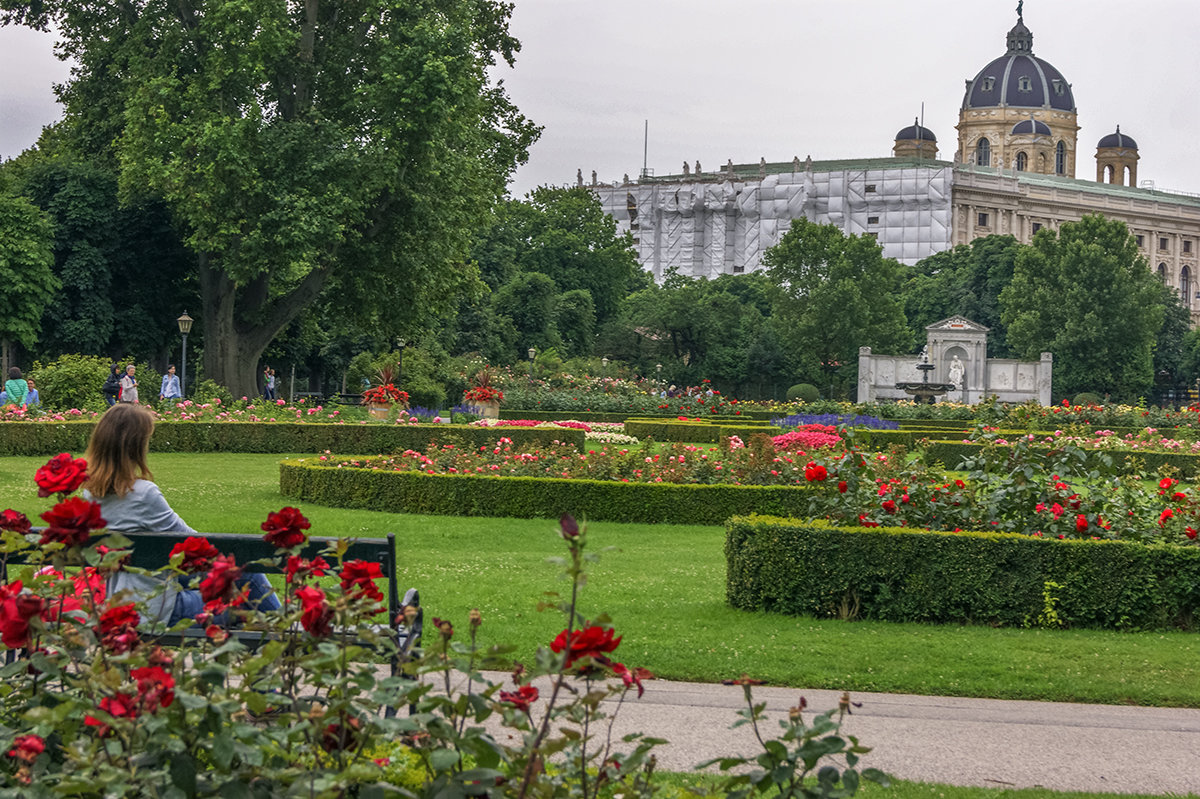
{"x": 924, "y": 392}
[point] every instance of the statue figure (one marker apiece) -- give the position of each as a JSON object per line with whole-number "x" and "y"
{"x": 593, "y": 177}
{"x": 956, "y": 373}
{"x": 1020, "y": 5}
{"x": 697, "y": 167}
{"x": 579, "y": 177}
{"x": 687, "y": 170}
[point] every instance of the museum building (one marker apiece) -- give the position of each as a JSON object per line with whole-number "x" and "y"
{"x": 1013, "y": 172}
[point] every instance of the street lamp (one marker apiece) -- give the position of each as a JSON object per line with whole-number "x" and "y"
{"x": 532, "y": 353}
{"x": 400, "y": 362}
{"x": 604, "y": 365}
{"x": 185, "y": 327}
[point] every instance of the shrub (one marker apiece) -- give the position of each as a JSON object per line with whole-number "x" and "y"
{"x": 72, "y": 381}
{"x": 700, "y": 432}
{"x": 1086, "y": 398}
{"x": 208, "y": 390}
{"x": 531, "y": 497}
{"x": 44, "y": 438}
{"x": 803, "y": 392}
{"x": 903, "y": 575}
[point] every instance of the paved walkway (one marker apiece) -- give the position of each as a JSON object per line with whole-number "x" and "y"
{"x": 984, "y": 742}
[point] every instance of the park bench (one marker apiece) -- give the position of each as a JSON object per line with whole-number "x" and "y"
{"x": 153, "y": 551}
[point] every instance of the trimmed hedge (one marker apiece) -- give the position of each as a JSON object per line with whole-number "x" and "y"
{"x": 813, "y": 568}
{"x": 613, "y": 416}
{"x": 952, "y": 453}
{"x": 701, "y": 432}
{"x": 531, "y": 497}
{"x": 43, "y": 438}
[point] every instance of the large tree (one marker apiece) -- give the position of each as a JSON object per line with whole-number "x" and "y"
{"x": 318, "y": 147}
{"x": 27, "y": 279}
{"x": 836, "y": 293}
{"x": 1086, "y": 295}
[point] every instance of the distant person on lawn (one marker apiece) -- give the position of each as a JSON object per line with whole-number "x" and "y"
{"x": 170, "y": 386}
{"x": 129, "y": 392}
{"x": 15, "y": 387}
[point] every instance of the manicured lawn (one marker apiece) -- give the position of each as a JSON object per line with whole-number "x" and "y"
{"x": 663, "y": 586}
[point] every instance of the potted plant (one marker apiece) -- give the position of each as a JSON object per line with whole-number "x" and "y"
{"x": 484, "y": 396}
{"x": 380, "y": 397}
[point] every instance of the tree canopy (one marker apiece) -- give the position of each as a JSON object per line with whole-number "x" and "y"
{"x": 305, "y": 148}
{"x": 836, "y": 293}
{"x": 1086, "y": 294}
{"x": 27, "y": 279}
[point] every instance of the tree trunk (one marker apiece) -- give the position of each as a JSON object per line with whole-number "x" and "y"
{"x": 241, "y": 321}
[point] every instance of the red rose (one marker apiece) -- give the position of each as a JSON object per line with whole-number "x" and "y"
{"x": 341, "y": 735}
{"x": 62, "y": 474}
{"x": 316, "y": 614}
{"x": 285, "y": 528}
{"x": 1190, "y": 532}
{"x": 889, "y": 506}
{"x": 1166, "y": 514}
{"x": 118, "y": 628}
{"x": 815, "y": 472}
{"x": 842, "y": 487}
{"x": 217, "y": 585}
{"x": 521, "y": 698}
{"x": 632, "y": 677}
{"x": 301, "y": 568}
{"x": 121, "y": 706}
{"x": 1081, "y": 523}
{"x": 156, "y": 687}
{"x": 358, "y": 579}
{"x": 15, "y": 521}
{"x": 71, "y": 522}
{"x": 27, "y": 748}
{"x": 198, "y": 554}
{"x": 590, "y": 642}
{"x": 17, "y": 607}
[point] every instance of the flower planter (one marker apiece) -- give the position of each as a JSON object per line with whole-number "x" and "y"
{"x": 379, "y": 410}
{"x": 489, "y": 410}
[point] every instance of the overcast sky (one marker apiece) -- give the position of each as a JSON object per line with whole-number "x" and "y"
{"x": 745, "y": 79}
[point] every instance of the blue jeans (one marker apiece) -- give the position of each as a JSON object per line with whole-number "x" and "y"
{"x": 260, "y": 595}
{"x": 110, "y": 399}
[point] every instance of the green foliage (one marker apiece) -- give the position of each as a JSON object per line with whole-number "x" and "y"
{"x": 575, "y": 319}
{"x": 900, "y": 574}
{"x": 27, "y": 281}
{"x": 1048, "y": 618}
{"x": 43, "y": 438}
{"x": 836, "y": 293}
{"x": 208, "y": 390}
{"x": 803, "y": 392}
{"x": 695, "y": 432}
{"x": 530, "y": 300}
{"x": 1086, "y": 295}
{"x": 358, "y": 149}
{"x": 966, "y": 281}
{"x": 72, "y": 381}
{"x": 1087, "y": 398}
{"x": 531, "y": 497}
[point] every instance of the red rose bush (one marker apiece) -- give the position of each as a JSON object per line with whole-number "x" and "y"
{"x": 291, "y": 702}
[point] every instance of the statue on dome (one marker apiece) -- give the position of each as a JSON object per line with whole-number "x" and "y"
{"x": 1020, "y": 5}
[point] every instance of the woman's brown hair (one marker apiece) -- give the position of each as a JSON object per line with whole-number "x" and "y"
{"x": 117, "y": 450}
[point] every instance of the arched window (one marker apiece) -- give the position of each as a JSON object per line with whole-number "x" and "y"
{"x": 1162, "y": 274}
{"x": 1060, "y": 159}
{"x": 1022, "y": 162}
{"x": 1109, "y": 175}
{"x": 1185, "y": 286}
{"x": 983, "y": 153}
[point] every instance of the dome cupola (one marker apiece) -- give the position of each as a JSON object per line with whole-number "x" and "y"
{"x": 1031, "y": 127}
{"x": 1116, "y": 159}
{"x": 915, "y": 141}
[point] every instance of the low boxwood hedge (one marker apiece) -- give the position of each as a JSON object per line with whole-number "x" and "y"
{"x": 810, "y": 567}
{"x": 531, "y": 497}
{"x": 952, "y": 453}
{"x": 44, "y": 438}
{"x": 702, "y": 431}
{"x": 614, "y": 416}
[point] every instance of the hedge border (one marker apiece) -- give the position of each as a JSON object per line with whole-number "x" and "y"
{"x": 46, "y": 438}
{"x": 531, "y": 497}
{"x": 811, "y": 567}
{"x": 703, "y": 432}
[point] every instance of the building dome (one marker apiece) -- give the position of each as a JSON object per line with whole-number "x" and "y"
{"x": 1019, "y": 78}
{"x": 915, "y": 132}
{"x": 1031, "y": 127}
{"x": 1117, "y": 139}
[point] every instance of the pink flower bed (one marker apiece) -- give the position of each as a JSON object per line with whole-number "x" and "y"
{"x": 809, "y": 436}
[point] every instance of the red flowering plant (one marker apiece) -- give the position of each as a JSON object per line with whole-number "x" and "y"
{"x": 483, "y": 390}
{"x": 95, "y": 705}
{"x": 384, "y": 392}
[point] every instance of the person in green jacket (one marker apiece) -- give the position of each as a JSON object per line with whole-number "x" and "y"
{"x": 16, "y": 387}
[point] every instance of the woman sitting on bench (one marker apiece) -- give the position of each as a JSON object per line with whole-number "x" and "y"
{"x": 120, "y": 480}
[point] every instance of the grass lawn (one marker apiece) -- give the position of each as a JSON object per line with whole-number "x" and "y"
{"x": 663, "y": 585}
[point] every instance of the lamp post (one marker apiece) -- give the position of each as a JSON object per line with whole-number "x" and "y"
{"x": 532, "y": 353}
{"x": 185, "y": 327}
{"x": 604, "y": 365}
{"x": 400, "y": 343}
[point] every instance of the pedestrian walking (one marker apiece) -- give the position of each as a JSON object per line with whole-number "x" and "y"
{"x": 170, "y": 385}
{"x": 129, "y": 391}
